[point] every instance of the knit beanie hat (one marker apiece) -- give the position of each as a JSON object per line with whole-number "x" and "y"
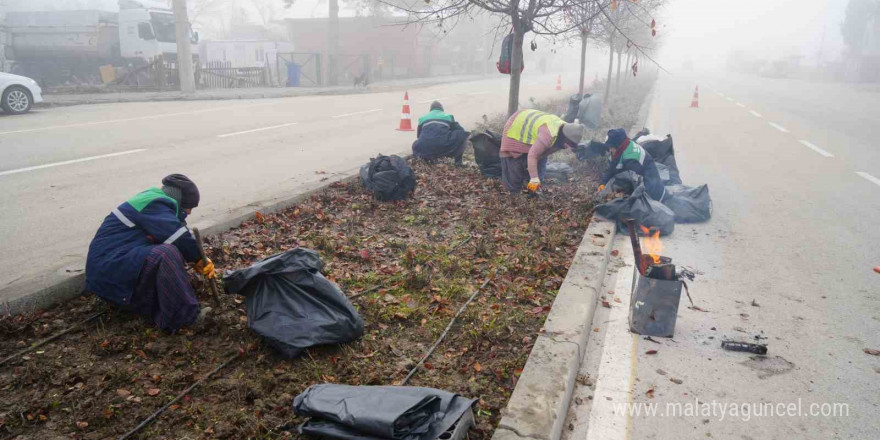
{"x": 436, "y": 106}
{"x": 573, "y": 132}
{"x": 180, "y": 188}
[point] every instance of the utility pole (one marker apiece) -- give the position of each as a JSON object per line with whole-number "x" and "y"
{"x": 184, "y": 50}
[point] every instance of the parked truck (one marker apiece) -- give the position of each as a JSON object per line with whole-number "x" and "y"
{"x": 70, "y": 47}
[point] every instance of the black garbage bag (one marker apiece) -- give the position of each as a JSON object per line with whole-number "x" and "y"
{"x": 381, "y": 412}
{"x": 486, "y": 147}
{"x": 663, "y": 171}
{"x": 663, "y": 152}
{"x": 573, "y": 105}
{"x": 292, "y": 305}
{"x": 691, "y": 204}
{"x": 641, "y": 207}
{"x": 388, "y": 177}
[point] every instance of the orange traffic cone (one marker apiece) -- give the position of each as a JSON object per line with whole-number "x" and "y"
{"x": 559, "y": 82}
{"x": 695, "y": 103}
{"x": 405, "y": 115}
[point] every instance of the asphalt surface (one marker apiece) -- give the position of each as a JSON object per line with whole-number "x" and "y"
{"x": 793, "y": 172}
{"x": 64, "y": 169}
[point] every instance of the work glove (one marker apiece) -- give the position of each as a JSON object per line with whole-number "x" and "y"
{"x": 601, "y": 188}
{"x": 206, "y": 267}
{"x": 534, "y": 184}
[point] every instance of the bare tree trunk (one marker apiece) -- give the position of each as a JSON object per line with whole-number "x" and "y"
{"x": 184, "y": 50}
{"x": 516, "y": 64}
{"x": 333, "y": 44}
{"x": 584, "y": 36}
{"x": 617, "y": 86}
{"x": 610, "y": 67}
{"x": 628, "y": 64}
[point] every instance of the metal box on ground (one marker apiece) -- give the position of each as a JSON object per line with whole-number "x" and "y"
{"x": 654, "y": 306}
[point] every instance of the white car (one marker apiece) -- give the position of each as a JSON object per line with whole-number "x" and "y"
{"x": 20, "y": 93}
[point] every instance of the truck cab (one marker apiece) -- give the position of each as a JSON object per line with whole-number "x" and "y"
{"x": 145, "y": 33}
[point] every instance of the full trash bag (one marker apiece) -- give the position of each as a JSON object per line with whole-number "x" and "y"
{"x": 691, "y": 204}
{"x": 388, "y": 178}
{"x": 641, "y": 207}
{"x": 487, "y": 145}
{"x": 587, "y": 110}
{"x": 559, "y": 171}
{"x": 292, "y": 305}
{"x": 378, "y": 412}
{"x": 663, "y": 152}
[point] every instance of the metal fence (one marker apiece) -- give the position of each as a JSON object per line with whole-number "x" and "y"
{"x": 222, "y": 75}
{"x": 302, "y": 68}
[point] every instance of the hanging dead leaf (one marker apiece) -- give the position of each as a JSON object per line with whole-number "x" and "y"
{"x": 650, "y": 393}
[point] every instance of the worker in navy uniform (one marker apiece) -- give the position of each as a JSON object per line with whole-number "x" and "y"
{"x": 439, "y": 136}
{"x": 137, "y": 260}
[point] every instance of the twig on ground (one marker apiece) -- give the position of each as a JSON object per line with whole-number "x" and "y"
{"x": 462, "y": 243}
{"x": 51, "y": 338}
{"x": 179, "y": 396}
{"x": 445, "y": 331}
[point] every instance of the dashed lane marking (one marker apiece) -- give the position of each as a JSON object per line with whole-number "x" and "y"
{"x": 810, "y": 145}
{"x": 69, "y": 162}
{"x": 755, "y": 114}
{"x": 345, "y": 115}
{"x": 868, "y": 177}
{"x": 256, "y": 130}
{"x": 778, "y": 127}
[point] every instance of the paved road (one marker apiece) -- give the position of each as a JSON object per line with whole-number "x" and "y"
{"x": 794, "y": 171}
{"x": 63, "y": 169}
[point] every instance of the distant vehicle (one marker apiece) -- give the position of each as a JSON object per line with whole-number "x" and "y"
{"x": 69, "y": 47}
{"x": 20, "y": 93}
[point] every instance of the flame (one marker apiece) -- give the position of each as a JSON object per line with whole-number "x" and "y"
{"x": 651, "y": 245}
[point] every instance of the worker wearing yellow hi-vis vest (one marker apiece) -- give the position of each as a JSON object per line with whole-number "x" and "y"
{"x": 530, "y": 137}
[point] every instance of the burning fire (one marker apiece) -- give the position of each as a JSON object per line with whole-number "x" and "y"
{"x": 651, "y": 245}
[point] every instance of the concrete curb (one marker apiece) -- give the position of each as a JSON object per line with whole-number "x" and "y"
{"x": 68, "y": 282}
{"x": 539, "y": 403}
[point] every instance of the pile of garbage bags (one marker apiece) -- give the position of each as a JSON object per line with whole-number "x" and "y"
{"x": 378, "y": 412}
{"x": 680, "y": 203}
{"x": 292, "y": 305}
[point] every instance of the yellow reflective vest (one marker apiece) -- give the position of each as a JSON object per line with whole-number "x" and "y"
{"x": 527, "y": 122}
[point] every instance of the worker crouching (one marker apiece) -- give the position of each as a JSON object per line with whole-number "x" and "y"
{"x": 439, "y": 136}
{"x": 137, "y": 260}
{"x": 530, "y": 137}
{"x": 627, "y": 155}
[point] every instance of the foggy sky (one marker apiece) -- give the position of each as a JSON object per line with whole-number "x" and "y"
{"x": 707, "y": 30}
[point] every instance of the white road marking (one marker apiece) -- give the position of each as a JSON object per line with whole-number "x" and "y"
{"x": 478, "y": 93}
{"x": 721, "y": 94}
{"x": 616, "y": 375}
{"x": 739, "y": 104}
{"x": 869, "y": 177}
{"x": 432, "y": 100}
{"x": 344, "y": 115}
{"x": 778, "y": 127}
{"x": 139, "y": 118}
{"x": 756, "y": 114}
{"x": 68, "y": 162}
{"x": 730, "y": 99}
{"x": 809, "y": 145}
{"x": 256, "y": 130}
